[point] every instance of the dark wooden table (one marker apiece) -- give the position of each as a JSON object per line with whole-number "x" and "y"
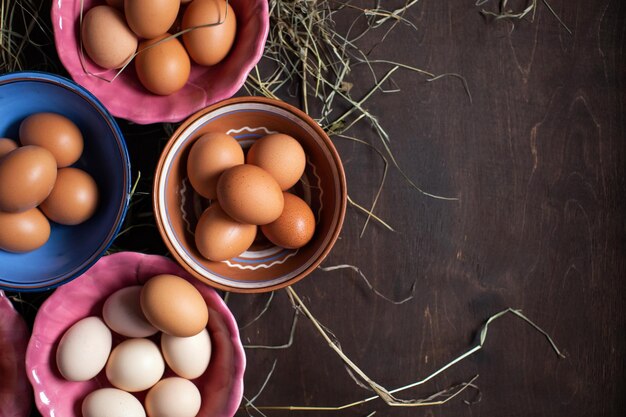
{"x": 537, "y": 162}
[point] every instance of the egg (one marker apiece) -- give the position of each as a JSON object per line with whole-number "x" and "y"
{"x": 209, "y": 45}
{"x": 173, "y": 397}
{"x": 24, "y": 231}
{"x": 74, "y": 197}
{"x": 56, "y": 133}
{"x": 151, "y": 18}
{"x": 84, "y": 349}
{"x": 250, "y": 195}
{"x": 107, "y": 402}
{"x": 174, "y": 306}
{"x": 219, "y": 237}
{"x": 135, "y": 365}
{"x": 187, "y": 356}
{"x": 6, "y": 146}
{"x": 27, "y": 176}
{"x": 280, "y": 155}
{"x": 209, "y": 156}
{"x": 164, "y": 68}
{"x": 295, "y": 226}
{"x": 122, "y": 313}
{"x": 106, "y": 37}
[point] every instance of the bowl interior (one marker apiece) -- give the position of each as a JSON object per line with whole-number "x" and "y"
{"x": 221, "y": 385}
{"x": 126, "y": 97}
{"x": 70, "y": 249}
{"x": 264, "y": 265}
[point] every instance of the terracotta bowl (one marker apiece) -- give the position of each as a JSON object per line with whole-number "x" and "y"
{"x": 125, "y": 97}
{"x": 221, "y": 385}
{"x": 263, "y": 267}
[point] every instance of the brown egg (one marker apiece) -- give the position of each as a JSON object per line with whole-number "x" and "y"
{"x": 151, "y": 18}
{"x": 211, "y": 155}
{"x": 73, "y": 199}
{"x": 6, "y": 146}
{"x": 164, "y": 68}
{"x": 219, "y": 237}
{"x": 209, "y": 45}
{"x": 56, "y": 133}
{"x": 27, "y": 176}
{"x": 295, "y": 226}
{"x": 280, "y": 155}
{"x": 174, "y": 306}
{"x": 107, "y": 39}
{"x": 250, "y": 195}
{"x": 23, "y": 232}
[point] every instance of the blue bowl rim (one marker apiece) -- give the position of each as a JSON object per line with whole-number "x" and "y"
{"x": 40, "y": 76}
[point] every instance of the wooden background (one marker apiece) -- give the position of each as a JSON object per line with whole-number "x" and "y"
{"x": 537, "y": 162}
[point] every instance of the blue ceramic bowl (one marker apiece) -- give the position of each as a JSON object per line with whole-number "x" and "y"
{"x": 71, "y": 250}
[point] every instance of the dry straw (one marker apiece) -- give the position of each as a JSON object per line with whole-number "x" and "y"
{"x": 506, "y": 13}
{"x": 20, "y": 24}
{"x": 362, "y": 379}
{"x": 306, "y": 56}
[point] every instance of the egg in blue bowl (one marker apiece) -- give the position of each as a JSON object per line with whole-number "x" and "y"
{"x": 64, "y": 180}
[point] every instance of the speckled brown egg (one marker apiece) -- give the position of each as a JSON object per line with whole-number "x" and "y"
{"x": 151, "y": 18}
{"x": 164, "y": 68}
{"x": 219, "y": 237}
{"x": 210, "y": 155}
{"x": 250, "y": 195}
{"x": 27, "y": 176}
{"x": 6, "y": 146}
{"x": 174, "y": 306}
{"x": 56, "y": 133}
{"x": 107, "y": 39}
{"x": 73, "y": 199}
{"x": 280, "y": 155}
{"x": 23, "y": 232}
{"x": 295, "y": 226}
{"x": 209, "y": 45}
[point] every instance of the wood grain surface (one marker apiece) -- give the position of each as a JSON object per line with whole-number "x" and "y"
{"x": 537, "y": 163}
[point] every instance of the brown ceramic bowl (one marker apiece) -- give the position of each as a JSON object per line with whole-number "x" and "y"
{"x": 263, "y": 267}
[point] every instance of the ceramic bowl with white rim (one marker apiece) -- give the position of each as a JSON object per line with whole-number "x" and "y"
{"x": 264, "y": 266}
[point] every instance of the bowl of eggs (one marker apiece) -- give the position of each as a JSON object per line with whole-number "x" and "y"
{"x": 64, "y": 180}
{"x": 249, "y": 195}
{"x": 160, "y": 60}
{"x": 135, "y": 336}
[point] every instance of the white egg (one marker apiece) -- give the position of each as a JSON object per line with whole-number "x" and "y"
{"x": 122, "y": 313}
{"x": 84, "y": 349}
{"x": 187, "y": 356}
{"x": 173, "y": 397}
{"x": 135, "y": 365}
{"x": 111, "y": 402}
